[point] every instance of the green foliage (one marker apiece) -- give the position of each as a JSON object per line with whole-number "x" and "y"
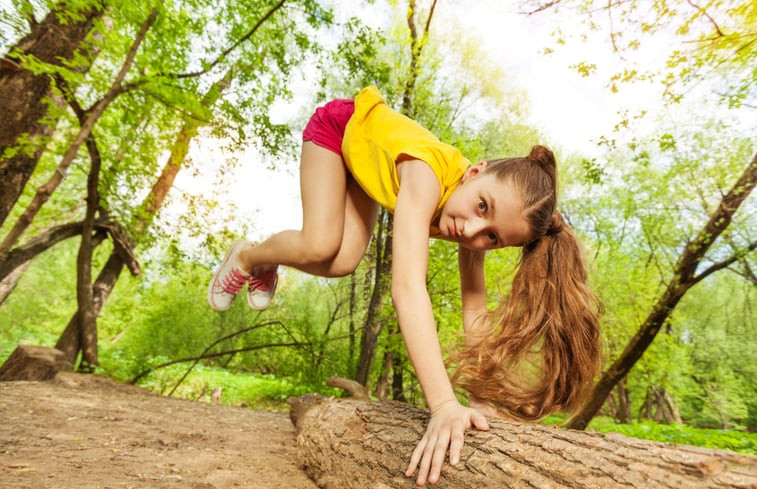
{"x": 711, "y": 41}
{"x": 636, "y": 207}
{"x": 237, "y": 388}
{"x": 681, "y": 434}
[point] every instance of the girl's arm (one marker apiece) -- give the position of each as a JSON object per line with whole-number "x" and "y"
{"x": 417, "y": 200}
{"x": 475, "y": 320}
{"x": 473, "y": 293}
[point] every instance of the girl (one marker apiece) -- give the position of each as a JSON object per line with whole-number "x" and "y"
{"x": 536, "y": 354}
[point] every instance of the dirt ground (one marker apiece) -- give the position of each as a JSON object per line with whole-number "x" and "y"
{"x": 87, "y": 432}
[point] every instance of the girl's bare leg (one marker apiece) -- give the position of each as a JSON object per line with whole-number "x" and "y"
{"x": 337, "y": 221}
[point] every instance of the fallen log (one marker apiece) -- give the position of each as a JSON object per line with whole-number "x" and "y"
{"x": 345, "y": 443}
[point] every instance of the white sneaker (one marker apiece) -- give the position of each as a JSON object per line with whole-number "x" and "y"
{"x": 261, "y": 287}
{"x": 228, "y": 280}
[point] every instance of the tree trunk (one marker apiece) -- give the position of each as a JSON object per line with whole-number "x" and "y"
{"x": 374, "y": 323}
{"x": 683, "y": 278}
{"x": 92, "y": 116}
{"x": 624, "y": 406}
{"x": 70, "y": 341}
{"x": 24, "y": 96}
{"x": 382, "y": 384}
{"x": 33, "y": 363}
{"x": 345, "y": 443}
{"x": 8, "y": 283}
{"x": 659, "y": 407}
{"x": 398, "y": 363}
{"x": 84, "y": 295}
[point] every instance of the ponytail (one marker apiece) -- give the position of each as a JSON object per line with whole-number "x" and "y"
{"x": 544, "y": 348}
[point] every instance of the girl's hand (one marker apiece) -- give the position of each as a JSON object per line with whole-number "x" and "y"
{"x": 445, "y": 430}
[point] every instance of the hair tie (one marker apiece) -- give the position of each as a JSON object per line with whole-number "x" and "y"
{"x": 556, "y": 224}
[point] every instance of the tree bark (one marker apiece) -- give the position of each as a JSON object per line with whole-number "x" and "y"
{"x": 24, "y": 96}
{"x": 684, "y": 277}
{"x": 84, "y": 290}
{"x": 624, "y": 406}
{"x": 345, "y": 443}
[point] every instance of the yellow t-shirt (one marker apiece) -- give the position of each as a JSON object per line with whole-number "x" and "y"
{"x": 376, "y": 136}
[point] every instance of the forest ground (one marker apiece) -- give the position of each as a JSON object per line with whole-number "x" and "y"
{"x": 88, "y": 432}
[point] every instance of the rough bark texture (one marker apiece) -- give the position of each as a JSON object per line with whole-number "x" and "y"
{"x": 23, "y": 95}
{"x": 345, "y": 443}
{"x": 29, "y": 362}
{"x": 92, "y": 116}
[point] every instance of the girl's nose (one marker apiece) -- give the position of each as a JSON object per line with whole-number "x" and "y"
{"x": 472, "y": 227}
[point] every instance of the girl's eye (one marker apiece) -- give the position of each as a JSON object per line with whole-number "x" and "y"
{"x": 482, "y": 206}
{"x": 493, "y": 238}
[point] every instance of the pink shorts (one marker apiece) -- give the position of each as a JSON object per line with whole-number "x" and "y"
{"x": 326, "y": 127}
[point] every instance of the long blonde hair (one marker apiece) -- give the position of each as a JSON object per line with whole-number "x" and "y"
{"x": 543, "y": 350}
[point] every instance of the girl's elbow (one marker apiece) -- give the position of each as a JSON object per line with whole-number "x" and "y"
{"x": 402, "y": 289}
{"x": 398, "y": 291}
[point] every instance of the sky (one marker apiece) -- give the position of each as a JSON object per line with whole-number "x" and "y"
{"x": 571, "y": 111}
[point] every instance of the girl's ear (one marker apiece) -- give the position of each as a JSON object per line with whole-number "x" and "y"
{"x": 474, "y": 170}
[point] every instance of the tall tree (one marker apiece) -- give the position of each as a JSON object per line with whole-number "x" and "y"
{"x": 246, "y": 60}
{"x": 684, "y": 276}
{"x": 705, "y": 48}
{"x": 373, "y": 322}
{"x": 25, "y": 90}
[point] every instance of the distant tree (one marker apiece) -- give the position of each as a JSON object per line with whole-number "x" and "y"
{"x": 716, "y": 46}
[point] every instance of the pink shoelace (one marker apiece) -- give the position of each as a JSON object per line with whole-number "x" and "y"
{"x": 234, "y": 281}
{"x": 264, "y": 281}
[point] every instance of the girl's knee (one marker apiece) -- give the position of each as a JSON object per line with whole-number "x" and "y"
{"x": 344, "y": 264}
{"x": 318, "y": 250}
{"x": 341, "y": 268}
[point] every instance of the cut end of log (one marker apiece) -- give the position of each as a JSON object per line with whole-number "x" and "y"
{"x": 299, "y": 405}
{"x": 32, "y": 363}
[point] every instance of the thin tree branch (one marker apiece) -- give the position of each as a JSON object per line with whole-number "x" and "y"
{"x": 712, "y": 21}
{"x": 542, "y": 8}
{"x": 227, "y": 51}
{"x": 204, "y": 352}
{"x": 724, "y": 263}
{"x": 747, "y": 272}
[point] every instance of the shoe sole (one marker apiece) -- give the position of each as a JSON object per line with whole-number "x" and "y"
{"x": 215, "y": 276}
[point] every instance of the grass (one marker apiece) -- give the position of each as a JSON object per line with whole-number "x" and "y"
{"x": 737, "y": 441}
{"x": 237, "y": 389}
{"x": 680, "y": 434}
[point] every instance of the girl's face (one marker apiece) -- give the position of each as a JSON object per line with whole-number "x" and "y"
{"x": 484, "y": 212}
